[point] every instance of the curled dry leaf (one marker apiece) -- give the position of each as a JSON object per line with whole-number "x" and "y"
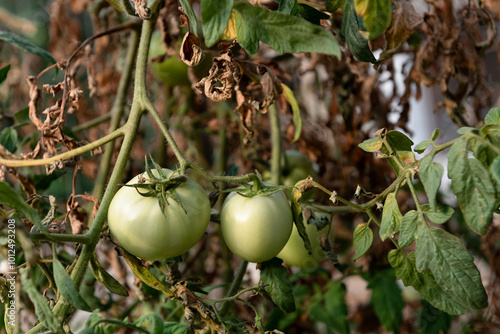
{"x": 219, "y": 84}
{"x": 142, "y": 10}
{"x": 191, "y": 52}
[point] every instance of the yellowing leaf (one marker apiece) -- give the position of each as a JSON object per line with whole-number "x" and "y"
{"x": 230, "y": 32}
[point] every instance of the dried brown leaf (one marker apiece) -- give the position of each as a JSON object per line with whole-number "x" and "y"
{"x": 191, "y": 52}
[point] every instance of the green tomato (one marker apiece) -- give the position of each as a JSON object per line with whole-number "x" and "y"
{"x": 296, "y": 166}
{"x": 141, "y": 228}
{"x": 172, "y": 70}
{"x": 256, "y": 228}
{"x": 295, "y": 253}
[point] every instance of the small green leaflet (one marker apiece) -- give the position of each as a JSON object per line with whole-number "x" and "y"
{"x": 391, "y": 217}
{"x": 440, "y": 215}
{"x": 26, "y": 45}
{"x": 408, "y": 228}
{"x": 473, "y": 186}
{"x": 193, "y": 22}
{"x": 277, "y": 284}
{"x": 376, "y": 15}
{"x": 297, "y": 118}
{"x": 8, "y": 139}
{"x": 3, "y": 74}
{"x": 42, "y": 309}
{"x": 371, "y": 145}
{"x": 282, "y": 32}
{"x": 387, "y": 299}
{"x": 493, "y": 116}
{"x": 214, "y": 17}
{"x": 67, "y": 288}
{"x": 451, "y": 265}
{"x": 331, "y": 308}
{"x": 421, "y": 147}
{"x": 363, "y": 239}
{"x": 351, "y": 27}
{"x": 423, "y": 282}
{"x": 431, "y": 173}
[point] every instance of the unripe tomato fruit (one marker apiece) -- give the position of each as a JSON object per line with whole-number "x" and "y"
{"x": 295, "y": 253}
{"x": 140, "y": 227}
{"x": 256, "y": 228}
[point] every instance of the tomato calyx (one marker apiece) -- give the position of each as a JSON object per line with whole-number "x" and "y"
{"x": 159, "y": 186}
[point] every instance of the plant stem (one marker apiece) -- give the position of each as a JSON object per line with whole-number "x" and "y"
{"x": 82, "y": 239}
{"x": 235, "y": 285}
{"x": 90, "y": 124}
{"x": 276, "y": 145}
{"x": 66, "y": 155}
{"x": 116, "y": 115}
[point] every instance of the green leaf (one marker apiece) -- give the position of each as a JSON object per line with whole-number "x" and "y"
{"x": 408, "y": 228}
{"x": 423, "y": 282}
{"x": 311, "y": 14}
{"x": 152, "y": 322}
{"x": 376, "y": 15}
{"x": 473, "y": 186}
{"x": 332, "y": 5}
{"x": 440, "y": 215}
{"x": 431, "y": 174}
{"x": 372, "y": 144}
{"x": 67, "y": 288}
{"x": 298, "y": 219}
{"x": 105, "y": 278}
{"x": 399, "y": 141}
{"x": 331, "y": 309}
{"x": 391, "y": 217}
{"x": 12, "y": 199}
{"x": 297, "y": 118}
{"x": 495, "y": 170}
{"x": 277, "y": 284}
{"x": 193, "y": 21}
{"x": 435, "y": 134}
{"x": 363, "y": 239}
{"x": 493, "y": 116}
{"x": 287, "y": 6}
{"x": 483, "y": 152}
{"x": 8, "y": 139}
{"x": 3, "y": 74}
{"x": 175, "y": 328}
{"x": 421, "y": 147}
{"x": 350, "y": 29}
{"x": 26, "y": 45}
{"x": 22, "y": 116}
{"x": 214, "y": 17}
{"x": 282, "y": 32}
{"x": 465, "y": 129}
{"x": 452, "y": 267}
{"x": 42, "y": 310}
{"x": 387, "y": 299}
{"x": 142, "y": 273}
{"x": 432, "y": 320}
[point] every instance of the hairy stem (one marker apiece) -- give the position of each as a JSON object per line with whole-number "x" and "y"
{"x": 116, "y": 115}
{"x": 276, "y": 145}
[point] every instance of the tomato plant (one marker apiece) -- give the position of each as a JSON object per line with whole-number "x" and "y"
{"x": 223, "y": 89}
{"x": 152, "y": 231}
{"x": 256, "y": 228}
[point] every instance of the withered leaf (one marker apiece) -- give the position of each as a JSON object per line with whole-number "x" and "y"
{"x": 191, "y": 52}
{"x": 404, "y": 20}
